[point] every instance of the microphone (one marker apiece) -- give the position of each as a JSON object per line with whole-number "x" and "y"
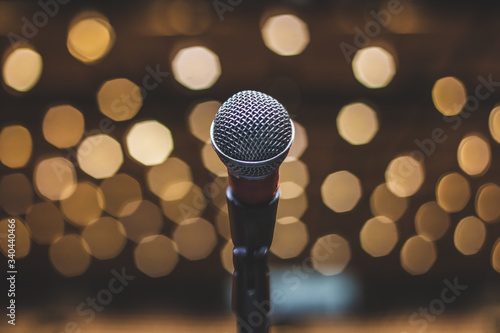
{"x": 252, "y": 134}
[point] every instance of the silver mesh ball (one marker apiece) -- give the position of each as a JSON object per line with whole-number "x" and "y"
{"x": 252, "y": 133}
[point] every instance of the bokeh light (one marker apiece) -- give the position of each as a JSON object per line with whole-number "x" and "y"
{"x": 195, "y": 238}
{"x": 217, "y": 194}
{"x": 211, "y": 161}
{"x": 84, "y": 205}
{"x": 122, "y": 195}
{"x": 119, "y": 99}
{"x": 196, "y": 67}
{"x": 384, "y": 203}
{"x": 449, "y": 95}
{"x": 374, "y": 67}
{"x": 357, "y": 123}
{"x": 488, "y": 203}
{"x": 105, "y": 237}
{"x": 200, "y": 118}
{"x": 495, "y": 256}
{"x": 63, "y": 126}
{"x": 223, "y": 224}
{"x": 378, "y": 236}
{"x": 286, "y": 35}
{"x": 474, "y": 155}
{"x": 470, "y": 234}
{"x": 100, "y": 156}
{"x": 294, "y": 177}
{"x": 494, "y": 124}
{"x": 431, "y": 221}
{"x": 290, "y": 237}
{"x": 16, "y": 194}
{"x": 145, "y": 221}
{"x": 22, "y": 69}
{"x": 293, "y": 206}
{"x": 452, "y": 192}
{"x": 341, "y": 191}
{"x": 226, "y": 257}
{"x": 15, "y": 146}
{"x": 191, "y": 205}
{"x": 45, "y": 222}
{"x": 418, "y": 254}
{"x": 69, "y": 255}
{"x": 300, "y": 142}
{"x": 170, "y": 180}
{"x": 90, "y": 37}
{"x": 330, "y": 254}
{"x": 22, "y": 240}
{"x": 150, "y": 142}
{"x": 404, "y": 176}
{"x": 55, "y": 178}
{"x": 156, "y": 255}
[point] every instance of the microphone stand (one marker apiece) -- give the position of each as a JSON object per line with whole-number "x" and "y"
{"x": 252, "y": 229}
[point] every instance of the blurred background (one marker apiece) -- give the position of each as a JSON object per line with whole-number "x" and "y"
{"x": 390, "y": 197}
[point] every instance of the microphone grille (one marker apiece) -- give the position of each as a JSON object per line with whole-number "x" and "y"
{"x": 251, "y": 127}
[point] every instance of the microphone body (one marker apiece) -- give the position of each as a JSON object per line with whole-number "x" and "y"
{"x": 252, "y": 134}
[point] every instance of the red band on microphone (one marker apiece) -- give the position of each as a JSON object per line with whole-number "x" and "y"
{"x": 254, "y": 191}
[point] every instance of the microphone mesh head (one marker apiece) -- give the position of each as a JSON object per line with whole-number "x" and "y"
{"x": 253, "y": 132}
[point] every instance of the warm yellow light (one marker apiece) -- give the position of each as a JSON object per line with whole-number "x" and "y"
{"x": 290, "y": 238}
{"x": 191, "y": 205}
{"x": 223, "y": 225}
{"x": 494, "y": 123}
{"x": 105, "y": 237}
{"x": 201, "y": 117}
{"x": 195, "y": 238}
{"x": 119, "y": 99}
{"x": 212, "y": 162}
{"x": 373, "y": 67}
{"x": 45, "y": 222}
{"x": 15, "y": 146}
{"x": 384, "y": 203}
{"x": 431, "y": 221}
{"x": 330, "y": 254}
{"x": 495, "y": 256}
{"x": 150, "y": 142}
{"x": 449, "y": 95}
{"x": 23, "y": 240}
{"x": 69, "y": 255}
{"x": 469, "y": 235}
{"x": 341, "y": 191}
{"x": 145, "y": 221}
{"x": 286, "y": 35}
{"x": 16, "y": 194}
{"x": 452, "y": 192}
{"x": 156, "y": 255}
{"x": 488, "y": 203}
{"x": 418, "y": 255}
{"x": 63, "y": 126}
{"x": 290, "y": 205}
{"x": 55, "y": 178}
{"x": 357, "y": 123}
{"x": 122, "y": 195}
{"x": 378, "y": 236}
{"x": 100, "y": 156}
{"x": 226, "y": 257}
{"x": 84, "y": 205}
{"x": 474, "y": 155}
{"x": 170, "y": 180}
{"x": 404, "y": 176}
{"x": 196, "y": 67}
{"x": 22, "y": 69}
{"x": 300, "y": 142}
{"x": 90, "y": 37}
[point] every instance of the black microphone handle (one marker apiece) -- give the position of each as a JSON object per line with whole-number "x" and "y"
{"x": 252, "y": 229}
